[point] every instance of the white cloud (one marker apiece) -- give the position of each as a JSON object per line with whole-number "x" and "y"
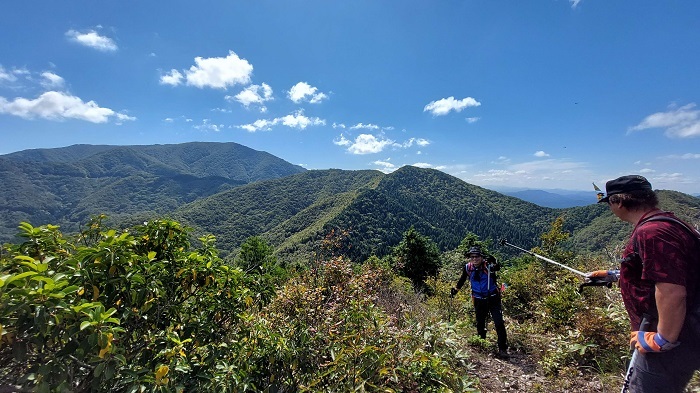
{"x": 214, "y": 72}
{"x": 254, "y": 94}
{"x": 296, "y": 120}
{"x": 553, "y": 172}
{"x": 541, "y": 154}
{"x": 338, "y": 125}
{"x": 418, "y": 141}
{"x": 686, "y": 156}
{"x": 472, "y": 120}
{"x": 360, "y": 126}
{"x": 208, "y": 126}
{"x": 683, "y": 122}
{"x": 55, "y": 105}
{"x": 367, "y": 144}
{"x": 443, "y": 106}
{"x": 302, "y": 91}
{"x": 51, "y": 80}
{"x": 574, "y": 3}
{"x": 259, "y": 125}
{"x": 422, "y": 165}
{"x": 646, "y": 170}
{"x": 174, "y": 78}
{"x": 341, "y": 141}
{"x": 385, "y": 166}
{"x": 6, "y": 76}
{"x": 92, "y": 39}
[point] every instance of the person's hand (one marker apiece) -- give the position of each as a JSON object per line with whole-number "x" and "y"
{"x": 650, "y": 342}
{"x": 602, "y": 275}
{"x": 453, "y": 292}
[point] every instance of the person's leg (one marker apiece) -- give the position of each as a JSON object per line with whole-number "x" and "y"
{"x": 497, "y": 316}
{"x": 667, "y": 372}
{"x": 481, "y": 309}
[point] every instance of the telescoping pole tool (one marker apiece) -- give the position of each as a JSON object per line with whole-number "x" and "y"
{"x": 589, "y": 281}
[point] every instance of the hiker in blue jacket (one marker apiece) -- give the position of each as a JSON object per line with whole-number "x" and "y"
{"x": 486, "y": 294}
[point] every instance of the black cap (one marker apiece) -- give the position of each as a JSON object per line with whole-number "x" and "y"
{"x": 625, "y": 184}
{"x": 475, "y": 251}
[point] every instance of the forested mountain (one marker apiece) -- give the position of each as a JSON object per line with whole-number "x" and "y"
{"x": 296, "y": 211}
{"x": 66, "y": 186}
{"x": 234, "y": 192}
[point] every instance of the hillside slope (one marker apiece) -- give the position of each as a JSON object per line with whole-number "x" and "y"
{"x": 295, "y": 212}
{"x": 66, "y": 186}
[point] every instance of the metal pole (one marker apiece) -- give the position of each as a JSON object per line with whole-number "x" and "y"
{"x": 580, "y": 273}
{"x": 488, "y": 278}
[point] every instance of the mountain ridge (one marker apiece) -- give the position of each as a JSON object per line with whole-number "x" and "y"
{"x": 234, "y": 192}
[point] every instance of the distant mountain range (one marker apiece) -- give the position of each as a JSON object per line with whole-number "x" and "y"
{"x": 554, "y": 198}
{"x": 234, "y": 192}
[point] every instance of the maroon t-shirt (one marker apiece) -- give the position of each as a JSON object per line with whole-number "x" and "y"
{"x": 667, "y": 253}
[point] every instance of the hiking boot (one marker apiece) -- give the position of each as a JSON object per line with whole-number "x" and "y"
{"x": 503, "y": 354}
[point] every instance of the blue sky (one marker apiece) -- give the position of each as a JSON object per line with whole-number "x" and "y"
{"x": 538, "y": 94}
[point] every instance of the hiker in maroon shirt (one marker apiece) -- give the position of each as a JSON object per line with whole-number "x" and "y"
{"x": 658, "y": 276}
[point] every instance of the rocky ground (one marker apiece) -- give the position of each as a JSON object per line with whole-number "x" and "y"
{"x": 519, "y": 374}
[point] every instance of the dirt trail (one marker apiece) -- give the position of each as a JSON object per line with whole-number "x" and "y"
{"x": 519, "y": 374}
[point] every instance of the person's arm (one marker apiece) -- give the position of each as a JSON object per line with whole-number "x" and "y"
{"x": 462, "y": 279}
{"x": 670, "y": 303}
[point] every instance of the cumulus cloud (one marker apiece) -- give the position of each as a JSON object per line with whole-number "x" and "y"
{"x": 367, "y": 144}
{"x": 92, "y": 39}
{"x": 338, "y": 125}
{"x": 342, "y": 141}
{"x": 302, "y": 91}
{"x": 295, "y": 120}
{"x": 213, "y": 72}
{"x": 173, "y": 78}
{"x": 444, "y": 106}
{"x": 54, "y": 105}
{"x": 683, "y": 122}
{"x": 51, "y": 80}
{"x": 254, "y": 95}
{"x": 541, "y": 154}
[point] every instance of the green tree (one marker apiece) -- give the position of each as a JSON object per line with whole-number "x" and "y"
{"x": 416, "y": 257}
{"x": 262, "y": 272}
{"x": 551, "y": 246}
